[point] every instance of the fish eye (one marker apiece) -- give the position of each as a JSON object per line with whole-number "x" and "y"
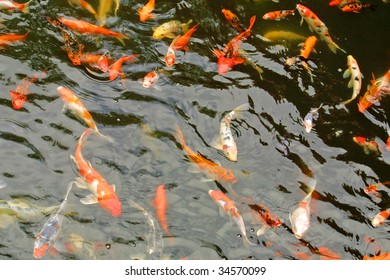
{"x": 108, "y": 246}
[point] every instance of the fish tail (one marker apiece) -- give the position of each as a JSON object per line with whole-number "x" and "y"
{"x": 120, "y": 38}
{"x": 26, "y": 7}
{"x": 70, "y": 185}
{"x": 105, "y": 137}
{"x": 180, "y": 136}
{"x": 236, "y": 112}
{"x": 334, "y": 47}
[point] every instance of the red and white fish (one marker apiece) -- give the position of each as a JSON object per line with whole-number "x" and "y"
{"x": 11, "y": 6}
{"x": 145, "y": 12}
{"x": 278, "y": 15}
{"x": 379, "y": 88}
{"x": 225, "y": 140}
{"x": 216, "y": 171}
{"x": 115, "y": 69}
{"x": 99, "y": 61}
{"x": 355, "y": 82}
{"x": 19, "y": 95}
{"x": 170, "y": 57}
{"x": 300, "y": 217}
{"x": 74, "y": 104}
{"x": 150, "y": 80}
{"x": 380, "y": 218}
{"x": 230, "y": 208}
{"x": 50, "y": 230}
{"x": 101, "y": 192}
{"x": 369, "y": 146}
{"x": 341, "y": 3}
{"x": 317, "y": 26}
{"x": 161, "y": 205}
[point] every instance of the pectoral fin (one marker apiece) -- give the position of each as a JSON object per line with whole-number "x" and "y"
{"x": 193, "y": 169}
{"x": 347, "y": 74}
{"x": 216, "y": 143}
{"x": 89, "y": 199}
{"x": 170, "y": 35}
{"x": 80, "y": 183}
{"x": 350, "y": 83}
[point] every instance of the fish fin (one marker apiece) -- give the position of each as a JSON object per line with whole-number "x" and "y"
{"x": 347, "y": 101}
{"x": 170, "y": 35}
{"x": 206, "y": 180}
{"x": 193, "y": 169}
{"x": 73, "y": 158}
{"x": 241, "y": 108}
{"x": 311, "y": 28}
{"x": 347, "y": 74}
{"x": 350, "y": 83}
{"x": 216, "y": 143}
{"x": 108, "y": 138}
{"x": 157, "y": 87}
{"x": 238, "y": 60}
{"x": 261, "y": 230}
{"x": 89, "y": 199}
{"x": 113, "y": 187}
{"x": 121, "y": 37}
{"x": 80, "y": 183}
{"x": 218, "y": 162}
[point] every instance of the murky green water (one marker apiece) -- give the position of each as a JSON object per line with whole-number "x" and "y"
{"x": 275, "y": 154}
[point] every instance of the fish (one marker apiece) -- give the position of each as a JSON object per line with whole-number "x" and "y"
{"x": 357, "y": 7}
{"x": 90, "y": 178}
{"x": 266, "y": 216}
{"x": 216, "y": 171}
{"x": 100, "y": 61}
{"x": 317, "y": 26}
{"x": 249, "y": 62}
{"x": 226, "y": 63}
{"x": 232, "y": 48}
{"x": 388, "y": 142}
{"x": 84, "y": 5}
{"x": 14, "y": 6}
{"x": 300, "y": 217}
{"x": 225, "y": 140}
{"x": 369, "y": 146}
{"x": 355, "y": 82}
{"x": 150, "y": 80}
{"x": 170, "y": 57}
{"x": 84, "y": 27}
{"x": 51, "y": 229}
{"x": 306, "y": 48}
{"x": 327, "y": 254}
{"x": 84, "y": 249}
{"x": 168, "y": 29}
{"x": 11, "y": 38}
{"x": 103, "y": 9}
{"x": 160, "y": 203}
{"x": 74, "y": 104}
{"x": 379, "y": 88}
{"x": 278, "y": 15}
{"x": 233, "y": 20}
{"x": 154, "y": 237}
{"x": 281, "y": 36}
{"x": 115, "y": 69}
{"x": 372, "y": 189}
{"x": 308, "y": 119}
{"x": 380, "y": 218}
{"x": 19, "y": 95}
{"x": 230, "y": 208}
{"x": 145, "y": 12}
{"x": 182, "y": 41}
{"x": 341, "y": 3}
{"x": 383, "y": 256}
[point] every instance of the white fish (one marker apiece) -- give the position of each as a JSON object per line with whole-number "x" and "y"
{"x": 308, "y": 120}
{"x": 300, "y": 218}
{"x": 355, "y": 82}
{"x": 225, "y": 140}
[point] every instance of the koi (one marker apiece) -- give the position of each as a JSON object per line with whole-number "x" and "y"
{"x": 101, "y": 191}
{"x": 160, "y": 203}
{"x": 84, "y": 27}
{"x": 317, "y": 26}
{"x": 11, "y": 5}
{"x": 249, "y": 62}
{"x": 327, "y": 254}
{"x": 145, "y": 12}
{"x": 226, "y": 63}
{"x": 84, "y": 249}
{"x": 85, "y": 5}
{"x": 355, "y": 82}
{"x": 170, "y": 57}
{"x": 266, "y": 216}
{"x": 357, "y": 7}
{"x": 306, "y": 48}
{"x": 183, "y": 40}
{"x": 100, "y": 61}
{"x": 228, "y": 205}
{"x": 9, "y": 39}
{"x": 217, "y": 172}
{"x": 168, "y": 29}
{"x": 19, "y": 95}
{"x": 373, "y": 188}
{"x": 233, "y": 20}
{"x": 341, "y": 3}
{"x": 231, "y": 48}
{"x": 369, "y": 146}
{"x": 379, "y": 87}
{"x": 116, "y": 68}
{"x": 300, "y": 217}
{"x": 150, "y": 80}
{"x": 50, "y": 230}
{"x": 380, "y": 218}
{"x": 74, "y": 104}
{"x": 278, "y": 15}
{"x": 225, "y": 140}
{"x": 308, "y": 120}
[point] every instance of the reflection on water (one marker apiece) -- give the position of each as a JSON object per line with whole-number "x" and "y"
{"x": 276, "y": 156}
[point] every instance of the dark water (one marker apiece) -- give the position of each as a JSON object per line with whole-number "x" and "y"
{"x": 275, "y": 154}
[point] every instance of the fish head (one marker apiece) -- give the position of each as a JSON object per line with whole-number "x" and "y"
{"x": 303, "y": 11}
{"x": 170, "y": 60}
{"x": 230, "y": 152}
{"x": 229, "y": 176}
{"x": 359, "y": 140}
{"x": 149, "y": 80}
{"x": 111, "y": 204}
{"x": 158, "y": 34}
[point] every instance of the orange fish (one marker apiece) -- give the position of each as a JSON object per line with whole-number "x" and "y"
{"x": 116, "y": 68}
{"x": 145, "y": 12}
{"x": 369, "y": 146}
{"x": 380, "y": 218}
{"x": 217, "y": 172}
{"x": 306, "y": 49}
{"x": 373, "y": 188}
{"x": 9, "y": 39}
{"x": 388, "y": 143}
{"x": 19, "y": 95}
{"x": 10, "y": 6}
{"x": 84, "y": 27}
{"x": 341, "y": 3}
{"x": 379, "y": 88}
{"x": 101, "y": 191}
{"x": 383, "y": 256}
{"x": 100, "y": 61}
{"x": 83, "y": 4}
{"x": 266, "y": 215}
{"x": 182, "y": 41}
{"x": 278, "y": 15}
{"x": 232, "y": 47}
{"x": 356, "y": 7}
{"x": 327, "y": 254}
{"x": 160, "y": 202}
{"x": 233, "y": 20}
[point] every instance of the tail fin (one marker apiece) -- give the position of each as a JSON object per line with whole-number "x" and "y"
{"x": 105, "y": 137}
{"x": 26, "y": 7}
{"x": 120, "y": 38}
{"x": 180, "y": 136}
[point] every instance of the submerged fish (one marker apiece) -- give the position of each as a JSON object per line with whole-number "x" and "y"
{"x": 282, "y": 36}
{"x": 308, "y": 120}
{"x": 168, "y": 29}
{"x": 369, "y": 146}
{"x": 380, "y": 218}
{"x": 355, "y": 82}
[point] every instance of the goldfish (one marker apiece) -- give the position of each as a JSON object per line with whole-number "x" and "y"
{"x": 216, "y": 171}
{"x": 355, "y": 82}
{"x": 145, "y": 12}
{"x": 160, "y": 203}
{"x": 50, "y": 230}
{"x": 383, "y": 256}
{"x": 11, "y": 38}
{"x": 369, "y": 146}
{"x": 225, "y": 140}
{"x": 103, "y": 9}
{"x": 317, "y": 26}
{"x": 269, "y": 219}
{"x": 230, "y": 208}
{"x": 11, "y": 5}
{"x": 278, "y": 15}
{"x": 380, "y": 218}
{"x": 233, "y": 20}
{"x": 74, "y": 104}
{"x": 168, "y": 29}
{"x": 155, "y": 245}
{"x": 83, "y": 4}
{"x": 19, "y": 95}
{"x": 150, "y": 80}
{"x": 84, "y": 27}
{"x": 170, "y": 57}
{"x": 101, "y": 191}
{"x": 116, "y": 68}
{"x": 300, "y": 217}
{"x": 231, "y": 48}
{"x": 308, "y": 119}
{"x": 182, "y": 41}
{"x": 356, "y": 7}
{"x": 379, "y": 88}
